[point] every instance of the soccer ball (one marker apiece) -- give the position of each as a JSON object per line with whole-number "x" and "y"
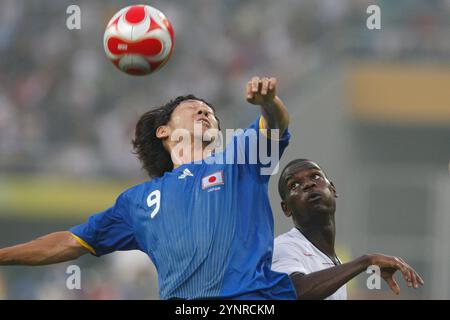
{"x": 139, "y": 40}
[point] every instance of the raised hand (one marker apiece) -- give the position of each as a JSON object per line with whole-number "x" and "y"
{"x": 261, "y": 91}
{"x": 389, "y": 265}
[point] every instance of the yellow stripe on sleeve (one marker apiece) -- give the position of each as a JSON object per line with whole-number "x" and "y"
{"x": 84, "y": 244}
{"x": 262, "y": 127}
{"x": 265, "y": 131}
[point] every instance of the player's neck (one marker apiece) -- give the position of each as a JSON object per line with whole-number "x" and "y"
{"x": 322, "y": 236}
{"x": 187, "y": 153}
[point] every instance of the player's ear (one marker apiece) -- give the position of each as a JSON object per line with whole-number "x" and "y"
{"x": 285, "y": 208}
{"x": 162, "y": 132}
{"x": 333, "y": 189}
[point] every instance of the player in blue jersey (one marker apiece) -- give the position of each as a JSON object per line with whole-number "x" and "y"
{"x": 204, "y": 218}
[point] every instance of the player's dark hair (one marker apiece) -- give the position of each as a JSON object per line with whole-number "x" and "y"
{"x": 281, "y": 180}
{"x": 147, "y": 146}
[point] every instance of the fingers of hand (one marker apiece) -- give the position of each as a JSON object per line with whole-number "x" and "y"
{"x": 410, "y": 283}
{"x": 264, "y": 86}
{"x": 420, "y": 279}
{"x": 399, "y": 265}
{"x": 255, "y": 84}
{"x": 393, "y": 285}
{"x": 415, "y": 279}
{"x": 408, "y": 278}
{"x": 411, "y": 277}
{"x": 249, "y": 90}
{"x": 272, "y": 84}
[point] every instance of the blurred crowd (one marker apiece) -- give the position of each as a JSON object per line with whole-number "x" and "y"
{"x": 64, "y": 109}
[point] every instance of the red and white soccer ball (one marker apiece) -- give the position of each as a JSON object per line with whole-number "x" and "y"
{"x": 139, "y": 40}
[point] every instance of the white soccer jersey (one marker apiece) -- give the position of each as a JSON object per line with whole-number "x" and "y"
{"x": 293, "y": 252}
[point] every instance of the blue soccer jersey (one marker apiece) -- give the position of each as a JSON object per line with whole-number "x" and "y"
{"x": 207, "y": 227}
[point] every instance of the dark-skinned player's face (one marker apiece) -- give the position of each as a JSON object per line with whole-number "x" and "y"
{"x": 307, "y": 192}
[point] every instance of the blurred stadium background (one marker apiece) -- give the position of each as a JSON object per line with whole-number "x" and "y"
{"x": 372, "y": 107}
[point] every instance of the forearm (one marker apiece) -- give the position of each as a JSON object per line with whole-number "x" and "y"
{"x": 322, "y": 284}
{"x": 275, "y": 115}
{"x": 52, "y": 248}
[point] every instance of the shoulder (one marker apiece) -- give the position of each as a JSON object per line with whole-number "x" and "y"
{"x": 291, "y": 242}
{"x": 137, "y": 192}
{"x": 290, "y": 237}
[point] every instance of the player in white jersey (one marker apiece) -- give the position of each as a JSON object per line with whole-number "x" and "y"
{"x": 307, "y": 253}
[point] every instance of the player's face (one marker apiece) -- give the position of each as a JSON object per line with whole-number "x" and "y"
{"x": 307, "y": 191}
{"x": 194, "y": 116}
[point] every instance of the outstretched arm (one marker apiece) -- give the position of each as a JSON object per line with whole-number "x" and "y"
{"x": 49, "y": 249}
{"x": 262, "y": 92}
{"x": 322, "y": 284}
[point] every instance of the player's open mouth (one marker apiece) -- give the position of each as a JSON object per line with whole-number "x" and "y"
{"x": 204, "y": 122}
{"x": 314, "y": 196}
